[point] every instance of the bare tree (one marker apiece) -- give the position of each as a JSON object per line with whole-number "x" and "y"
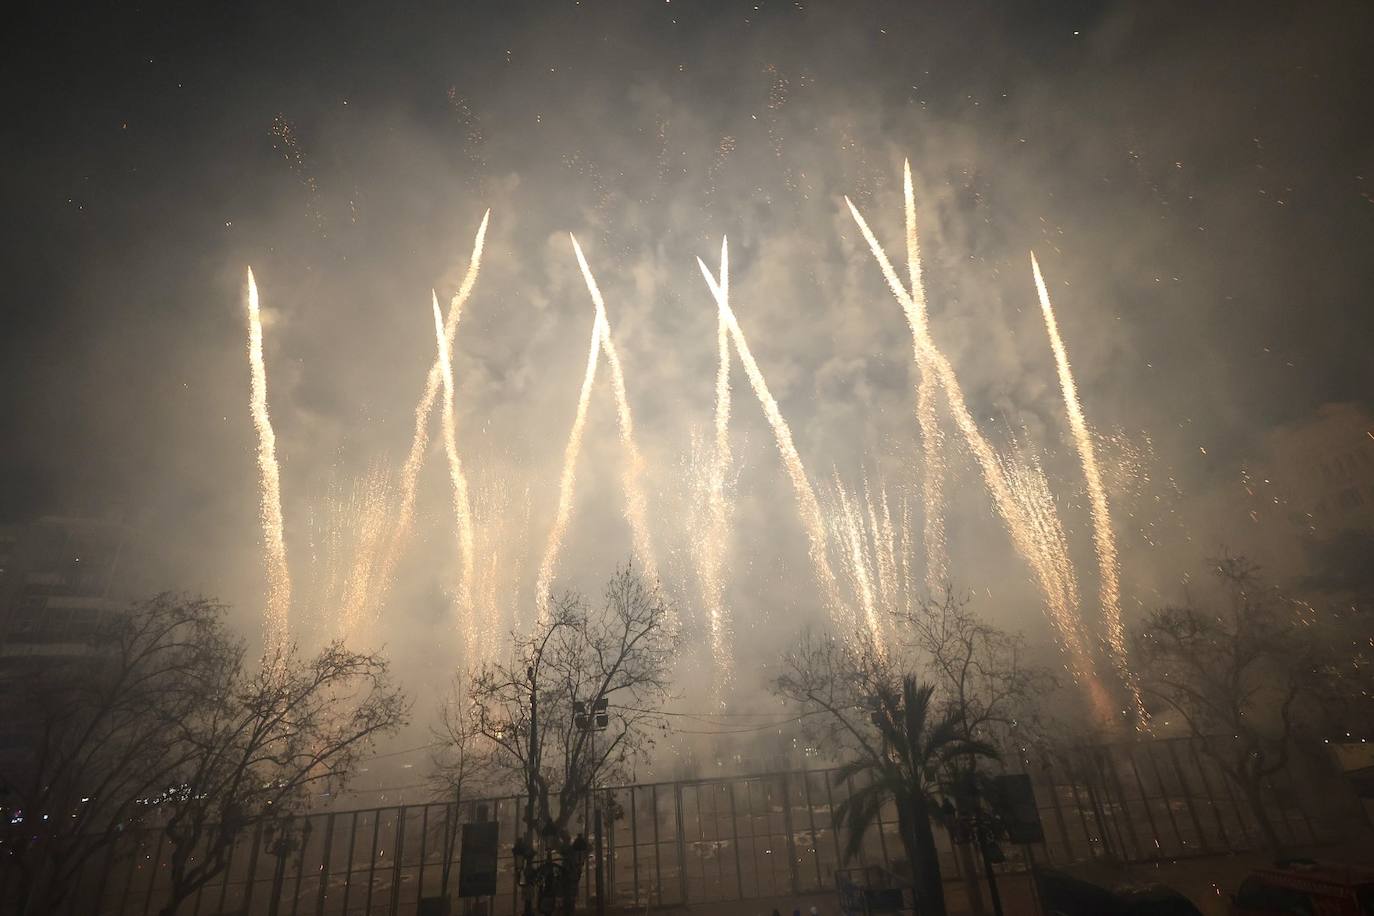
{"x": 260, "y": 742}
{"x": 538, "y": 709}
{"x": 982, "y": 672}
{"x": 92, "y": 745}
{"x": 1233, "y": 672}
{"x": 462, "y": 764}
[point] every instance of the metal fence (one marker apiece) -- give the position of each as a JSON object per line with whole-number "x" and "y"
{"x": 699, "y": 841}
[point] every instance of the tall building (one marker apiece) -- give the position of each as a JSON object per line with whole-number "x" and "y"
{"x": 59, "y": 579}
{"x": 1323, "y": 467}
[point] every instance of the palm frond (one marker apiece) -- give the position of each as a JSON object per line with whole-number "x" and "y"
{"x": 858, "y": 812}
{"x": 853, "y": 768}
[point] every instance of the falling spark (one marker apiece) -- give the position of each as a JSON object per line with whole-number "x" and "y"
{"x": 278, "y": 609}
{"x": 636, "y": 506}
{"x": 858, "y": 561}
{"x": 365, "y": 519}
{"x": 462, "y": 509}
{"x": 502, "y": 527}
{"x": 549, "y": 565}
{"x": 410, "y": 471}
{"x": 1046, "y": 563}
{"x": 885, "y": 547}
{"x": 808, "y": 506}
{"x": 932, "y": 436}
{"x": 1104, "y": 538}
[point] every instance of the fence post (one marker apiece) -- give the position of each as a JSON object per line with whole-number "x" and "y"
{"x": 681, "y": 843}
{"x": 811, "y": 822}
{"x": 658, "y": 850}
{"x": 424, "y": 848}
{"x": 1048, "y": 768}
{"x": 252, "y": 869}
{"x": 399, "y": 848}
{"x": 1164, "y": 795}
{"x": 372, "y": 861}
{"x": 1144, "y": 800}
{"x": 634, "y": 843}
{"x": 348, "y": 869}
{"x": 1106, "y": 763}
{"x": 734, "y": 834}
{"x": 1211, "y": 799}
{"x": 834, "y": 825}
{"x": 324, "y": 865}
{"x": 1188, "y": 797}
{"x": 791, "y": 839}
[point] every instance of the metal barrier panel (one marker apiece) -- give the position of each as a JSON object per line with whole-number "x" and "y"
{"x": 701, "y": 841}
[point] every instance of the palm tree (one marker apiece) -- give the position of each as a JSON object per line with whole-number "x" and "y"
{"x": 917, "y": 750}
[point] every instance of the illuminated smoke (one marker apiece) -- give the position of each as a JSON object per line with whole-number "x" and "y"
{"x": 932, "y": 436}
{"x": 888, "y": 545}
{"x": 364, "y": 519}
{"x": 278, "y": 609}
{"x": 410, "y": 471}
{"x": 543, "y": 584}
{"x": 502, "y": 521}
{"x": 1046, "y": 560}
{"x": 807, "y": 505}
{"x": 1104, "y": 539}
{"x": 462, "y": 509}
{"x": 636, "y": 506}
{"x": 872, "y": 547}
{"x": 858, "y": 559}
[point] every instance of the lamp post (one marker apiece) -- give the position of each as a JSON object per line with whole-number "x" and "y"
{"x": 591, "y": 721}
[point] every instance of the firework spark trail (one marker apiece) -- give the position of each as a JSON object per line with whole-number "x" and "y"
{"x": 410, "y": 471}
{"x": 636, "y": 506}
{"x": 712, "y": 544}
{"x": 932, "y": 436}
{"x": 366, "y": 519}
{"x": 549, "y": 565}
{"x": 1044, "y": 560}
{"x": 462, "y": 508}
{"x": 1103, "y": 537}
{"x": 858, "y": 560}
{"x": 904, "y": 554}
{"x": 502, "y": 528}
{"x": 1030, "y": 489}
{"x": 277, "y": 617}
{"x": 885, "y": 546}
{"x": 808, "y": 506}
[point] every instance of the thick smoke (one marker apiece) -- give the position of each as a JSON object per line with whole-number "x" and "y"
{"x": 1195, "y": 183}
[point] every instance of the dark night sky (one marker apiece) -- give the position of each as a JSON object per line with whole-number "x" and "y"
{"x": 1197, "y": 178}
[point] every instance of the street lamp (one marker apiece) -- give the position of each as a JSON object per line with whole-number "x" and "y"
{"x": 592, "y": 720}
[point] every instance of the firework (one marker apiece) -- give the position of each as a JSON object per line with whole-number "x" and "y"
{"x": 462, "y": 509}
{"x": 278, "y": 609}
{"x": 410, "y": 471}
{"x": 567, "y": 481}
{"x": 709, "y": 545}
{"x": 1104, "y": 539}
{"x": 858, "y": 560}
{"x": 932, "y": 436}
{"x": 807, "y": 504}
{"x": 636, "y": 506}
{"x": 1048, "y": 562}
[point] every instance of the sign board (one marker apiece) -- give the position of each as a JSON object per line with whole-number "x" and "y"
{"x": 1013, "y": 800}
{"x": 477, "y": 867}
